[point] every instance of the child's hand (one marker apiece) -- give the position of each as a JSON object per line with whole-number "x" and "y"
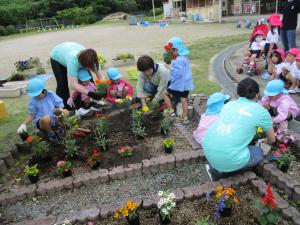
{"x": 267, "y": 105}
{"x": 120, "y": 101}
{"x": 22, "y": 128}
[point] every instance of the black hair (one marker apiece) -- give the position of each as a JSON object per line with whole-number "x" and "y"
{"x": 145, "y": 63}
{"x": 277, "y": 55}
{"x": 248, "y": 88}
{"x": 272, "y": 29}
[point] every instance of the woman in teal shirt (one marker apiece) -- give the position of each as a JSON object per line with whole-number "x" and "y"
{"x": 226, "y": 142}
{"x": 66, "y": 59}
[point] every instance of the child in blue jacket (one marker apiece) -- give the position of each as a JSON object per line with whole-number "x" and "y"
{"x": 180, "y": 80}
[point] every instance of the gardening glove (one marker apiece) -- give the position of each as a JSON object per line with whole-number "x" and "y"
{"x": 22, "y": 128}
{"x": 120, "y": 101}
{"x": 94, "y": 95}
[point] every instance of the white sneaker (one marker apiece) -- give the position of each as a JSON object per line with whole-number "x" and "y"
{"x": 81, "y": 112}
{"x": 294, "y": 91}
{"x": 207, "y": 168}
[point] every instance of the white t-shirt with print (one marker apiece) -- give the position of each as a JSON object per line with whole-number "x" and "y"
{"x": 295, "y": 72}
{"x": 278, "y": 68}
{"x": 257, "y": 45}
{"x": 272, "y": 38}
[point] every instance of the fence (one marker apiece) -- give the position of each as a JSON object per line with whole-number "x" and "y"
{"x": 246, "y": 8}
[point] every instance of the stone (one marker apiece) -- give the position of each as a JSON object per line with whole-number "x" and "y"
{"x": 103, "y": 175}
{"x": 188, "y": 193}
{"x": 106, "y": 211}
{"x": 24, "y": 147}
{"x": 15, "y": 152}
{"x": 89, "y": 214}
{"x": 155, "y": 165}
{"x": 296, "y": 194}
{"x": 163, "y": 164}
{"x": 179, "y": 159}
{"x": 148, "y": 203}
{"x": 290, "y": 213}
{"x": 129, "y": 172}
{"x": 3, "y": 168}
{"x": 260, "y": 185}
{"x": 290, "y": 184}
{"x": 42, "y": 188}
{"x": 49, "y": 220}
{"x": 146, "y": 166}
{"x": 274, "y": 174}
{"x": 179, "y": 195}
{"x": 281, "y": 203}
{"x": 3, "y": 199}
{"x": 7, "y": 158}
{"x": 137, "y": 168}
{"x": 58, "y": 185}
{"x": 78, "y": 181}
{"x": 30, "y": 190}
{"x": 267, "y": 171}
{"x": 68, "y": 182}
{"x": 281, "y": 180}
{"x": 86, "y": 179}
{"x": 117, "y": 173}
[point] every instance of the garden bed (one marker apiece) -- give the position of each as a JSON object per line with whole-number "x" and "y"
{"x": 120, "y": 135}
{"x": 189, "y": 212}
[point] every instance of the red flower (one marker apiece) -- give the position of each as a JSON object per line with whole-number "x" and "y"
{"x": 269, "y": 198}
{"x": 277, "y": 154}
{"x": 281, "y": 145}
{"x": 285, "y": 149}
{"x": 98, "y": 115}
{"x": 174, "y": 56}
{"x": 170, "y": 44}
{"x": 95, "y": 152}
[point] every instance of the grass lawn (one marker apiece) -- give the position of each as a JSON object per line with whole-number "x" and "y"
{"x": 201, "y": 53}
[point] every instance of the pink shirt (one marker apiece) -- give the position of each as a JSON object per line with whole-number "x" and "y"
{"x": 284, "y": 105}
{"x": 204, "y": 124}
{"x": 119, "y": 88}
{"x": 90, "y": 87}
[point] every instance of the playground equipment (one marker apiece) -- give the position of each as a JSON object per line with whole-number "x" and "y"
{"x": 135, "y": 20}
{"x": 40, "y": 25}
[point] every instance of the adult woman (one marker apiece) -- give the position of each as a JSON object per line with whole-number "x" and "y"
{"x": 226, "y": 142}
{"x": 152, "y": 80}
{"x": 66, "y": 59}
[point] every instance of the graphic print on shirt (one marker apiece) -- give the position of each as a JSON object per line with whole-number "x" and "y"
{"x": 230, "y": 120}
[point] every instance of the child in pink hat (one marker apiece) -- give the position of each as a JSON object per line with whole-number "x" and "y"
{"x": 295, "y": 76}
{"x": 276, "y": 58}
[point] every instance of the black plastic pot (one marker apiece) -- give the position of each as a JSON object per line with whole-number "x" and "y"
{"x": 168, "y": 150}
{"x": 95, "y": 166}
{"x": 135, "y": 221}
{"x": 67, "y": 173}
{"x": 226, "y": 212}
{"x": 33, "y": 179}
{"x": 140, "y": 137}
{"x": 164, "y": 131}
{"x": 285, "y": 168}
{"x": 24, "y": 136}
{"x": 164, "y": 221}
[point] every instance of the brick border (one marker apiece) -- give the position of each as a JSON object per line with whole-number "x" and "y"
{"x": 186, "y": 193}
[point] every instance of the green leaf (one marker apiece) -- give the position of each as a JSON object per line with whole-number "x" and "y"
{"x": 272, "y": 218}
{"x": 262, "y": 220}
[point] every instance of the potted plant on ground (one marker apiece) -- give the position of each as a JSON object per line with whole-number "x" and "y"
{"x": 125, "y": 151}
{"x": 102, "y": 86}
{"x": 166, "y": 206}
{"x": 123, "y": 59}
{"x": 130, "y": 213}
{"x": 284, "y": 160}
{"x": 94, "y": 159}
{"x": 226, "y": 198}
{"x": 267, "y": 208}
{"x": 32, "y": 172}
{"x": 64, "y": 168}
{"x": 168, "y": 144}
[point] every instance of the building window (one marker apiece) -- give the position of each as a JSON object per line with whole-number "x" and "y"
{"x": 209, "y": 2}
{"x": 195, "y": 3}
{"x": 201, "y": 3}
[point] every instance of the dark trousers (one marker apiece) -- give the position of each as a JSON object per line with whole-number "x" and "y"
{"x": 61, "y": 76}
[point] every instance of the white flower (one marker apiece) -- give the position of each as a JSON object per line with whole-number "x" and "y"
{"x": 172, "y": 195}
{"x": 160, "y": 193}
{"x": 159, "y": 205}
{"x": 169, "y": 208}
{"x": 173, "y": 204}
{"x": 164, "y": 211}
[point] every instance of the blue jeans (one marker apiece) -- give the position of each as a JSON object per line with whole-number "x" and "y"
{"x": 256, "y": 156}
{"x": 288, "y": 38}
{"x": 150, "y": 88}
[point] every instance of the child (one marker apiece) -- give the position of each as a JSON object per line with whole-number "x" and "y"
{"x": 291, "y": 56}
{"x": 119, "y": 88}
{"x": 280, "y": 105}
{"x": 296, "y": 76}
{"x": 41, "y": 108}
{"x": 180, "y": 80}
{"x": 272, "y": 36}
{"x": 215, "y": 104}
{"x": 286, "y": 75}
{"x": 256, "y": 47}
{"x": 274, "y": 69}
{"x": 79, "y": 100}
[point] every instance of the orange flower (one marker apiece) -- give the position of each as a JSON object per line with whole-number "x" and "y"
{"x": 98, "y": 81}
{"x": 108, "y": 82}
{"x": 29, "y": 139}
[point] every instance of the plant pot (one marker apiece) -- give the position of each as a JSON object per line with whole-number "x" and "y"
{"x": 33, "y": 179}
{"x": 95, "y": 166}
{"x": 164, "y": 131}
{"x": 67, "y": 173}
{"x": 226, "y": 212}
{"x": 135, "y": 221}
{"x": 24, "y": 136}
{"x": 140, "y": 137}
{"x": 164, "y": 221}
{"x": 168, "y": 150}
{"x": 285, "y": 168}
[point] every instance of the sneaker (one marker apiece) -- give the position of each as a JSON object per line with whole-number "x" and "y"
{"x": 213, "y": 174}
{"x": 96, "y": 107}
{"x": 53, "y": 138}
{"x": 294, "y": 91}
{"x": 172, "y": 113}
{"x": 185, "y": 120}
{"x": 81, "y": 112}
{"x": 207, "y": 167}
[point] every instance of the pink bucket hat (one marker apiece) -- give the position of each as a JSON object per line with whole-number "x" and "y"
{"x": 298, "y": 57}
{"x": 276, "y": 22}
{"x": 294, "y": 51}
{"x": 281, "y": 52}
{"x": 275, "y": 16}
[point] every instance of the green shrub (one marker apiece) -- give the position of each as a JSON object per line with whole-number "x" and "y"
{"x": 11, "y": 29}
{"x": 3, "y": 31}
{"x": 40, "y": 70}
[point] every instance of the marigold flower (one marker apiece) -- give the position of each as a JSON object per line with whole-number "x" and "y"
{"x": 98, "y": 81}
{"x": 235, "y": 200}
{"x": 29, "y": 139}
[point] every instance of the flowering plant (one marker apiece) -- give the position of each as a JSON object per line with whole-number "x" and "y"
{"x": 94, "y": 158}
{"x": 267, "y": 208}
{"x": 168, "y": 142}
{"x": 168, "y": 55}
{"x": 101, "y": 59}
{"x": 129, "y": 211}
{"x": 63, "y": 166}
{"x": 166, "y": 204}
{"x": 226, "y": 198}
{"x": 126, "y": 151}
{"x": 102, "y": 86}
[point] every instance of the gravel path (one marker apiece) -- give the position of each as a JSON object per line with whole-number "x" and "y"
{"x": 88, "y": 197}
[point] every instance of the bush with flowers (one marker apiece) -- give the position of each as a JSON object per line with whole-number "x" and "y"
{"x": 94, "y": 159}
{"x": 267, "y": 208}
{"x": 129, "y": 212}
{"x": 101, "y": 59}
{"x": 166, "y": 205}
{"x": 226, "y": 198}
{"x": 284, "y": 157}
{"x": 125, "y": 151}
{"x": 63, "y": 167}
{"x": 102, "y": 86}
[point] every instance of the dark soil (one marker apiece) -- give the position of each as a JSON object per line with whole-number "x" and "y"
{"x": 188, "y": 212}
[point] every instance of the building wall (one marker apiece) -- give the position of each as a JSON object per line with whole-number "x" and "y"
{"x": 206, "y": 12}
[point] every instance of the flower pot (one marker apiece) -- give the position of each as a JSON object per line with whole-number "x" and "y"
{"x": 95, "y": 166}
{"x": 33, "y": 179}
{"x": 226, "y": 212}
{"x": 24, "y": 136}
{"x": 164, "y": 131}
{"x": 135, "y": 221}
{"x": 168, "y": 150}
{"x": 67, "y": 173}
{"x": 285, "y": 168}
{"x": 164, "y": 221}
{"x": 140, "y": 137}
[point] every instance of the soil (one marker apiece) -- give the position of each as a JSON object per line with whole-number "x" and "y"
{"x": 189, "y": 212}
{"x": 120, "y": 135}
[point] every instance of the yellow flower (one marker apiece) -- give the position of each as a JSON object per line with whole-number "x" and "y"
{"x": 235, "y": 200}
{"x": 116, "y": 215}
{"x": 148, "y": 99}
{"x": 120, "y": 101}
{"x": 259, "y": 130}
{"x": 145, "y": 109}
